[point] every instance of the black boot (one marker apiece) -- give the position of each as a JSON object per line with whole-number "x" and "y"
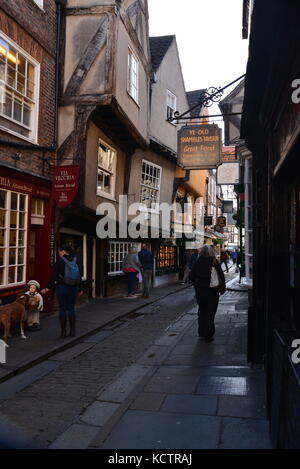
{"x": 63, "y": 323}
{"x": 72, "y": 320}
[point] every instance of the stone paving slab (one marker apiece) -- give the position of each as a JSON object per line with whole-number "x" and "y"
{"x": 169, "y": 384}
{"x": 205, "y": 405}
{"x": 76, "y": 437}
{"x": 19, "y": 382}
{"x": 153, "y": 356}
{"x": 167, "y": 339}
{"x": 72, "y": 353}
{"x": 245, "y": 407}
{"x": 245, "y": 434}
{"x": 120, "y": 389}
{"x": 162, "y": 430}
{"x": 148, "y": 401}
{"x": 98, "y": 413}
{"x": 229, "y": 385}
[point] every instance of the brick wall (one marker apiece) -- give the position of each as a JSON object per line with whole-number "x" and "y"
{"x": 34, "y": 30}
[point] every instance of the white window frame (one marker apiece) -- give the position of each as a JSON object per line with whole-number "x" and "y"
{"x": 144, "y": 207}
{"x": 133, "y": 75}
{"x": 117, "y": 247}
{"x": 33, "y": 128}
{"x": 171, "y": 105}
{"x": 7, "y": 246}
{"x": 108, "y": 195}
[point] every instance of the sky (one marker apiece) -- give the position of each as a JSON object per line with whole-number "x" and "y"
{"x": 209, "y": 38}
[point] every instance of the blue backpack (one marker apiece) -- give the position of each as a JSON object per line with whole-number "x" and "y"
{"x": 72, "y": 272}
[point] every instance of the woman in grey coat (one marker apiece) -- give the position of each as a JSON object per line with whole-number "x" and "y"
{"x": 131, "y": 266}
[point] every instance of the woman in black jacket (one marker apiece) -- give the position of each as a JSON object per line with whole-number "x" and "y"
{"x": 208, "y": 286}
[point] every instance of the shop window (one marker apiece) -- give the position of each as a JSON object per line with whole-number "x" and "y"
{"x": 171, "y": 104}
{"x": 106, "y": 170}
{"x": 133, "y": 76}
{"x": 116, "y": 254}
{"x": 13, "y": 235}
{"x": 166, "y": 257}
{"x": 150, "y": 185}
{"x": 19, "y": 76}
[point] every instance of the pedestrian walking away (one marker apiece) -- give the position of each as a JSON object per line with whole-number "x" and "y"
{"x": 66, "y": 279}
{"x": 132, "y": 268}
{"x": 209, "y": 281}
{"x": 147, "y": 260}
{"x": 224, "y": 259}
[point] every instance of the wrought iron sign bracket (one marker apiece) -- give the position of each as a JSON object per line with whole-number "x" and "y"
{"x": 207, "y": 98}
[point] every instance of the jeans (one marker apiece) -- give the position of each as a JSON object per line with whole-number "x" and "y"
{"x": 66, "y": 295}
{"x": 146, "y": 274}
{"x": 131, "y": 282}
{"x": 208, "y": 300}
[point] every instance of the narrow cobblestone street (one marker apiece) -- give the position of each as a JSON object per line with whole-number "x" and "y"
{"x": 147, "y": 370}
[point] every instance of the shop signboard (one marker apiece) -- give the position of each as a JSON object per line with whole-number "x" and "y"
{"x": 199, "y": 146}
{"x": 208, "y": 220}
{"x": 229, "y": 155}
{"x": 65, "y": 184}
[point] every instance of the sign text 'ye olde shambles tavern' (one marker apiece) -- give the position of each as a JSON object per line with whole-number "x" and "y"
{"x": 199, "y": 146}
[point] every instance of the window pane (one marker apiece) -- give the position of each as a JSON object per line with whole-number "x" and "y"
{"x": 1, "y": 275}
{"x": 26, "y": 115}
{"x": 17, "y": 110}
{"x": 13, "y": 237}
{"x": 14, "y": 201}
{"x": 11, "y": 274}
{"x": 20, "y": 276}
{"x": 21, "y": 238}
{"x": 2, "y": 251}
{"x": 21, "y": 220}
{"x": 7, "y": 105}
{"x": 2, "y": 237}
{"x": 21, "y": 256}
{"x": 2, "y": 199}
{"x": 2, "y": 217}
{"x": 13, "y": 219}
{"x": 12, "y": 256}
{"x": 22, "y": 202}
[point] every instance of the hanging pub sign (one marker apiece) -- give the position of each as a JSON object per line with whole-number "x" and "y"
{"x": 65, "y": 184}
{"x": 208, "y": 221}
{"x": 229, "y": 155}
{"x": 199, "y": 146}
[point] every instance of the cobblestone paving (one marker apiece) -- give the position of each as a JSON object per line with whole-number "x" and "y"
{"x": 48, "y": 407}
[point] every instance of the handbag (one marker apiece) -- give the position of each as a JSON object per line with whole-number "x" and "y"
{"x": 216, "y": 281}
{"x": 214, "y": 278}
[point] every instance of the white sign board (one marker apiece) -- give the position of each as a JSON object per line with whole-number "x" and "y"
{"x": 228, "y": 173}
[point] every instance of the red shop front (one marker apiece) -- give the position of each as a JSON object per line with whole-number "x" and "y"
{"x": 26, "y": 233}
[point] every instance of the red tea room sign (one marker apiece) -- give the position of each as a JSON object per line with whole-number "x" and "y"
{"x": 65, "y": 184}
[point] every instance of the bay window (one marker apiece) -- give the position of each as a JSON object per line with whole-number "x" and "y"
{"x": 18, "y": 90}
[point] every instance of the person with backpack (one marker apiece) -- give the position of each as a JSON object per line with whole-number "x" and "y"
{"x": 66, "y": 278}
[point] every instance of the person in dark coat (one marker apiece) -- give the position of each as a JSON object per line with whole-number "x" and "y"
{"x": 66, "y": 294}
{"x": 147, "y": 260}
{"x": 208, "y": 284}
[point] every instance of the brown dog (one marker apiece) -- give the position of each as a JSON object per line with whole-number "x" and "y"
{"x": 13, "y": 312}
